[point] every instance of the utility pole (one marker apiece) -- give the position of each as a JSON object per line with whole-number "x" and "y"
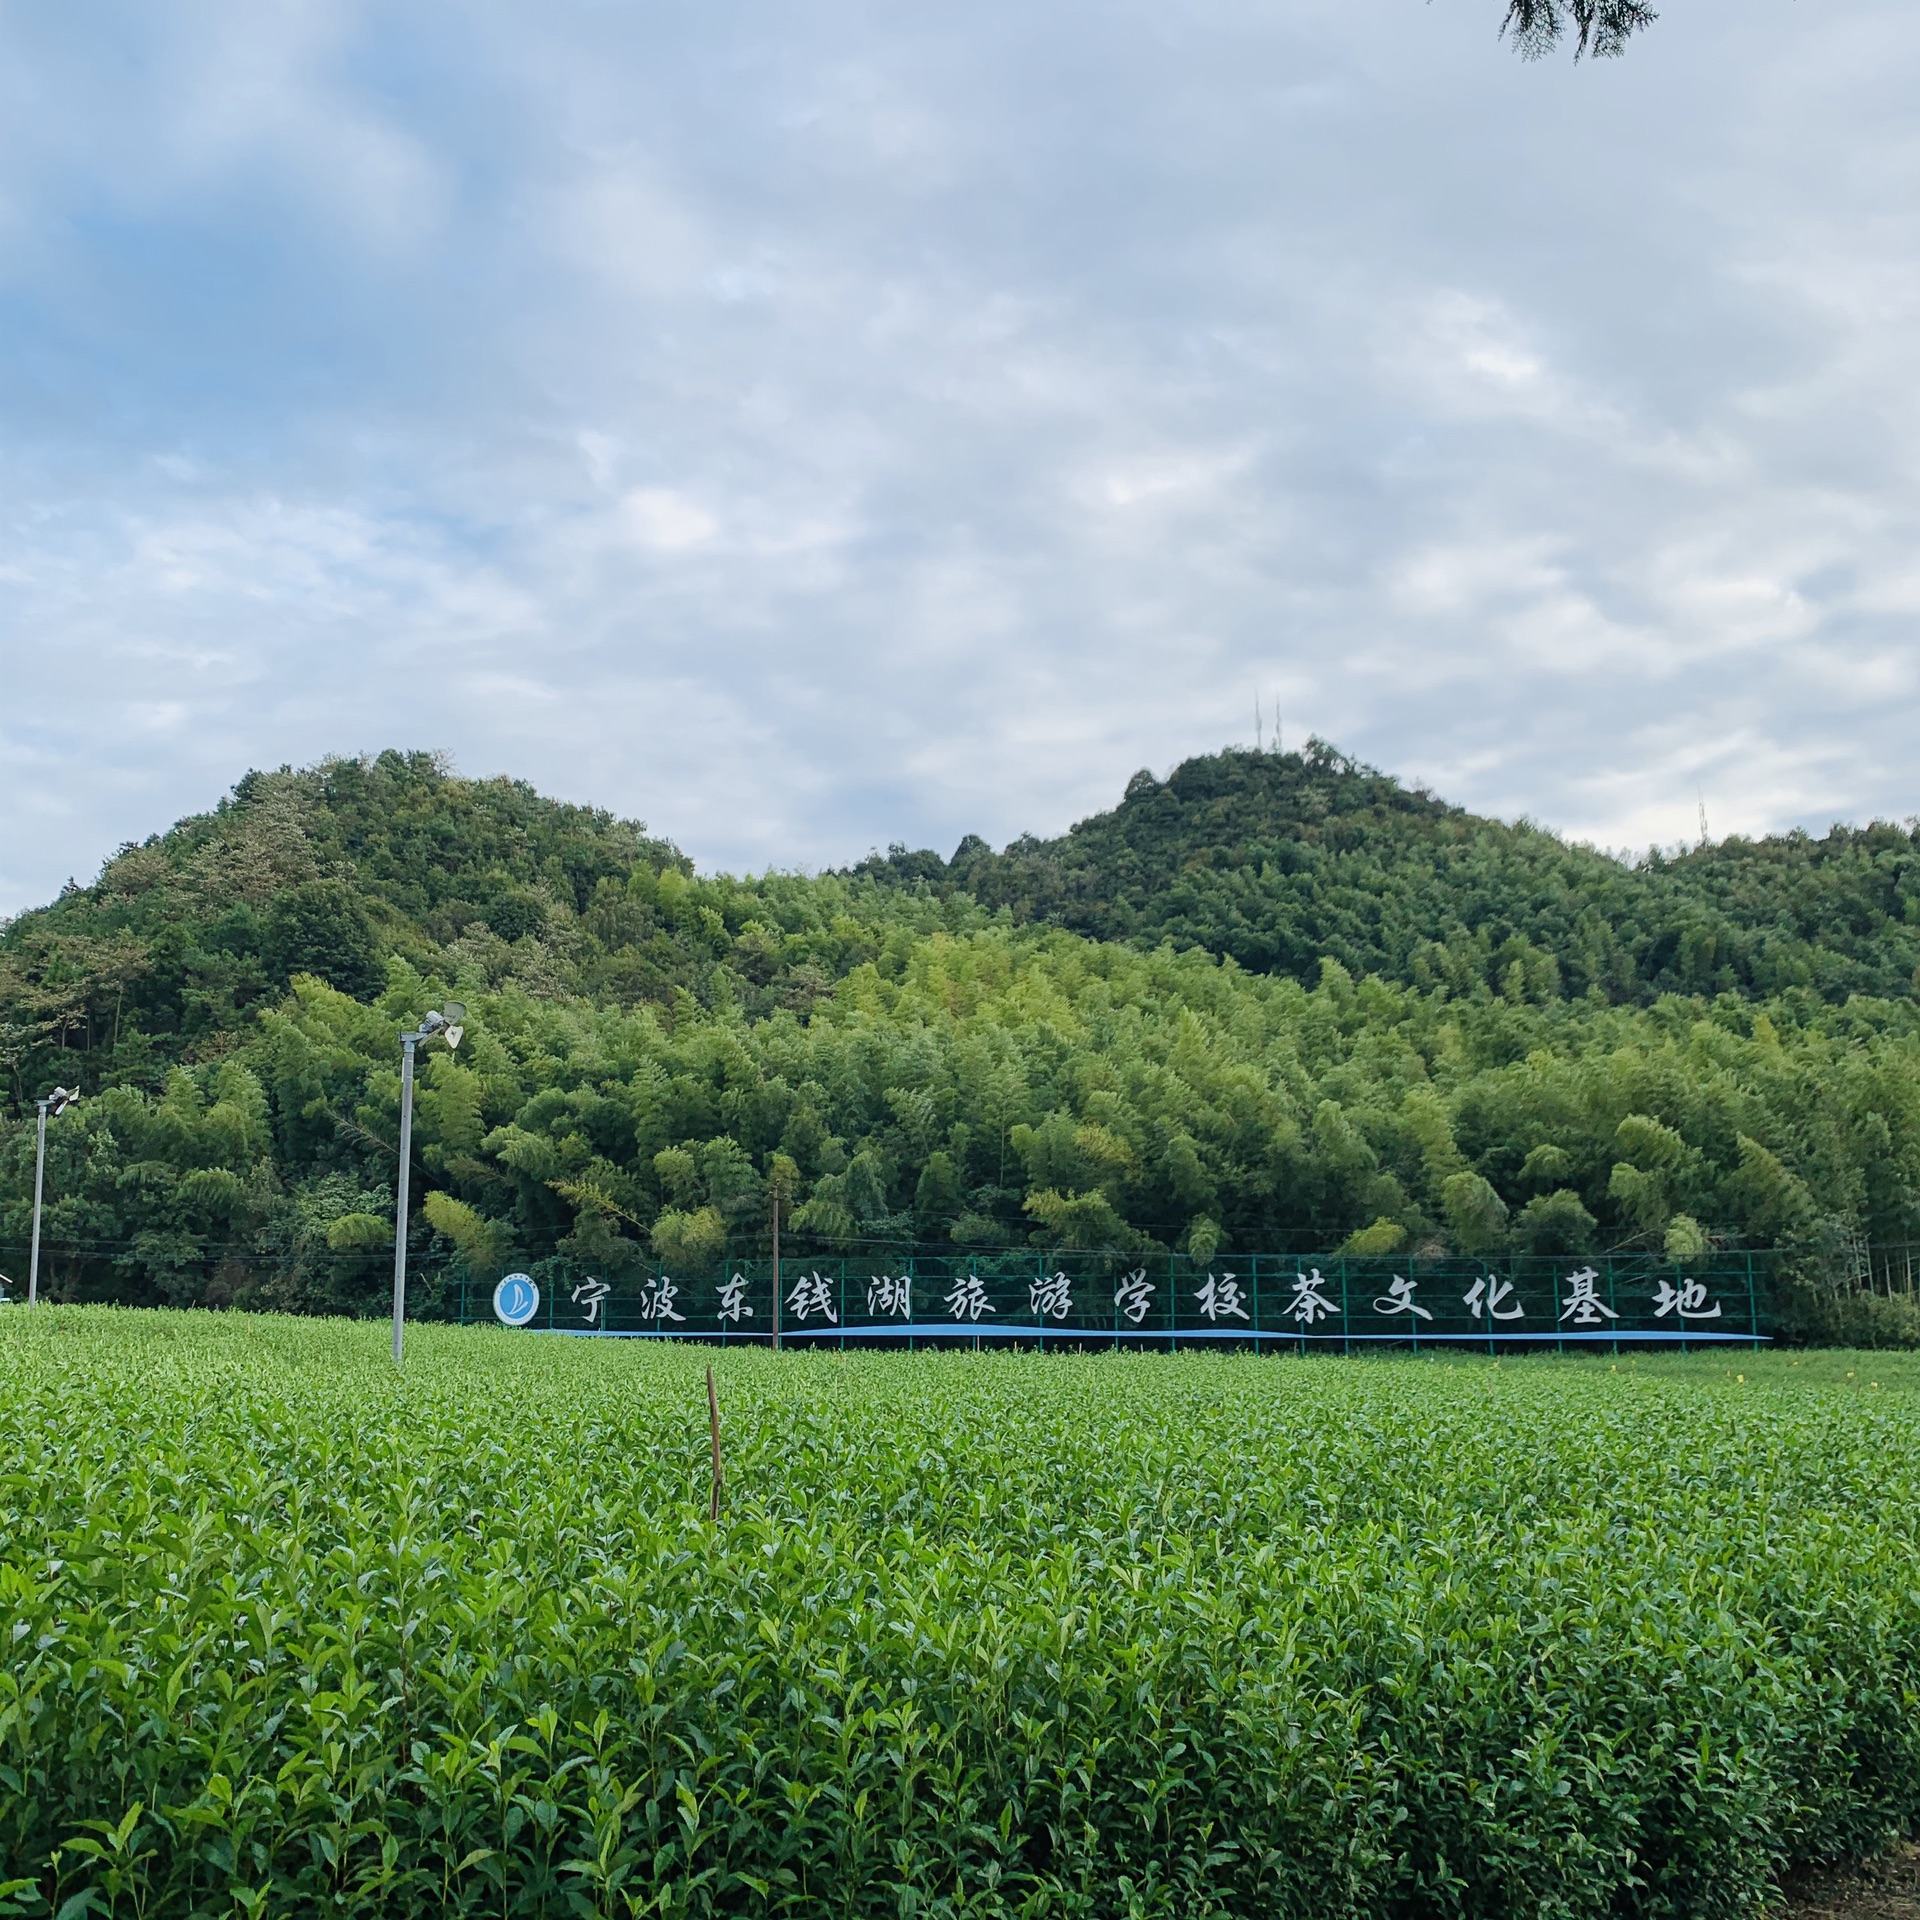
{"x": 57, "y": 1101}
{"x": 445, "y": 1022}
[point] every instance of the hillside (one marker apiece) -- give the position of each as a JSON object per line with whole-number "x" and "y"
{"x": 1279, "y": 860}
{"x": 332, "y": 870}
{"x": 1157, "y": 1032}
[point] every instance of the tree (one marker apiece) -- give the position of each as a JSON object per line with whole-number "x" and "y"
{"x": 1601, "y": 27}
{"x": 322, "y": 928}
{"x": 1556, "y": 1223}
{"x": 694, "y": 1239}
{"x": 987, "y": 1081}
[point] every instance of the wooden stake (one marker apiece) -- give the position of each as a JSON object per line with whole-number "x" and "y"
{"x": 713, "y": 1423}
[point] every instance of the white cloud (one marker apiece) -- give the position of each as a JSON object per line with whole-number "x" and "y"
{"x": 807, "y": 429}
{"x": 666, "y": 521}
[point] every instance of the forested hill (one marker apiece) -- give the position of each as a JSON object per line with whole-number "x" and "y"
{"x": 1281, "y": 860}
{"x": 1043, "y": 1045}
{"x": 334, "y": 870}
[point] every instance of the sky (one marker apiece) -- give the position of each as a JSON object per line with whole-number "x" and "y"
{"x": 805, "y": 425}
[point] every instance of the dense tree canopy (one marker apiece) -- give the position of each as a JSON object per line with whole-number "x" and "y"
{"x": 1271, "y": 1002}
{"x": 1278, "y": 860}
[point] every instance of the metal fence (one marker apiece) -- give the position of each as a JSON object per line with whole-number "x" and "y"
{"x": 1315, "y": 1303}
{"x": 1891, "y": 1270}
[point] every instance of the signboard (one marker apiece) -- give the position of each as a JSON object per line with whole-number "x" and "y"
{"x": 516, "y": 1299}
{"x": 1316, "y": 1302}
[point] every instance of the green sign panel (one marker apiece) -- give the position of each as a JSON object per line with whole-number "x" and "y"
{"x": 1308, "y": 1302}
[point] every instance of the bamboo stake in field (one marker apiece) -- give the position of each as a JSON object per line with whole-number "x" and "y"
{"x": 713, "y": 1422}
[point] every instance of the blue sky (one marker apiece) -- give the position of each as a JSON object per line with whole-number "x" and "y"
{"x": 810, "y": 425}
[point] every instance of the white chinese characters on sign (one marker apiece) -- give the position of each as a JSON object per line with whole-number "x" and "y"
{"x": 1050, "y": 1297}
{"x": 656, "y": 1301}
{"x": 1398, "y": 1298}
{"x": 1689, "y": 1297}
{"x": 1484, "y": 1299}
{"x": 812, "y": 1293}
{"x": 1309, "y": 1303}
{"x": 1222, "y": 1298}
{"x": 968, "y": 1300}
{"x": 1586, "y": 1301}
{"x": 890, "y": 1293}
{"x": 1582, "y": 1305}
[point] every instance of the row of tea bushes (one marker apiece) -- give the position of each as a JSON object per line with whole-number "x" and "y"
{"x": 974, "y": 1635}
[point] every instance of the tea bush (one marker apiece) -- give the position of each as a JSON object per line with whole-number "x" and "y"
{"x": 975, "y": 1635}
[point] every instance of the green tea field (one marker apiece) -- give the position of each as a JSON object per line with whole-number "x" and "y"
{"x": 992, "y": 1634}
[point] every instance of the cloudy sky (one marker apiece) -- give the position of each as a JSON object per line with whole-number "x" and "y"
{"x": 805, "y": 424}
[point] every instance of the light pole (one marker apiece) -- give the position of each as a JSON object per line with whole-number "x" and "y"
{"x": 57, "y": 1101}
{"x": 446, "y": 1022}
{"x": 776, "y": 1269}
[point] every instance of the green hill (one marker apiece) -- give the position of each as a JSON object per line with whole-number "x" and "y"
{"x": 172, "y": 953}
{"x": 1273, "y": 1002}
{"x": 1281, "y": 860}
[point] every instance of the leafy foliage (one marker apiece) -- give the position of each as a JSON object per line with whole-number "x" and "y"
{"x": 1000, "y": 1636}
{"x": 990, "y": 1088}
{"x": 919, "y": 1051}
{"x": 1600, "y": 27}
{"x": 174, "y": 952}
{"x": 1282, "y": 860}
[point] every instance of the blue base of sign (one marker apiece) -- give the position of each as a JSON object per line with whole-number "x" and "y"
{"x": 947, "y": 1330}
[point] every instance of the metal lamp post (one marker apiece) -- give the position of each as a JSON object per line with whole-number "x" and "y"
{"x": 446, "y": 1022}
{"x": 57, "y": 1101}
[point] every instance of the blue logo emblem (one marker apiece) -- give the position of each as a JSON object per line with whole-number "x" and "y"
{"x": 516, "y": 1299}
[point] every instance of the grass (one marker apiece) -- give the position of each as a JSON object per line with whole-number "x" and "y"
{"x": 975, "y": 1635}
{"x": 1793, "y": 1372}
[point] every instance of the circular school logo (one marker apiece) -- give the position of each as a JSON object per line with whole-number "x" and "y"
{"x": 516, "y": 1299}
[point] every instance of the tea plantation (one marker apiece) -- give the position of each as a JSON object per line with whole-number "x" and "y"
{"x": 1184, "y": 1635}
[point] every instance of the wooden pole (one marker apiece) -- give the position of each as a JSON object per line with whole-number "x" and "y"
{"x": 713, "y": 1422}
